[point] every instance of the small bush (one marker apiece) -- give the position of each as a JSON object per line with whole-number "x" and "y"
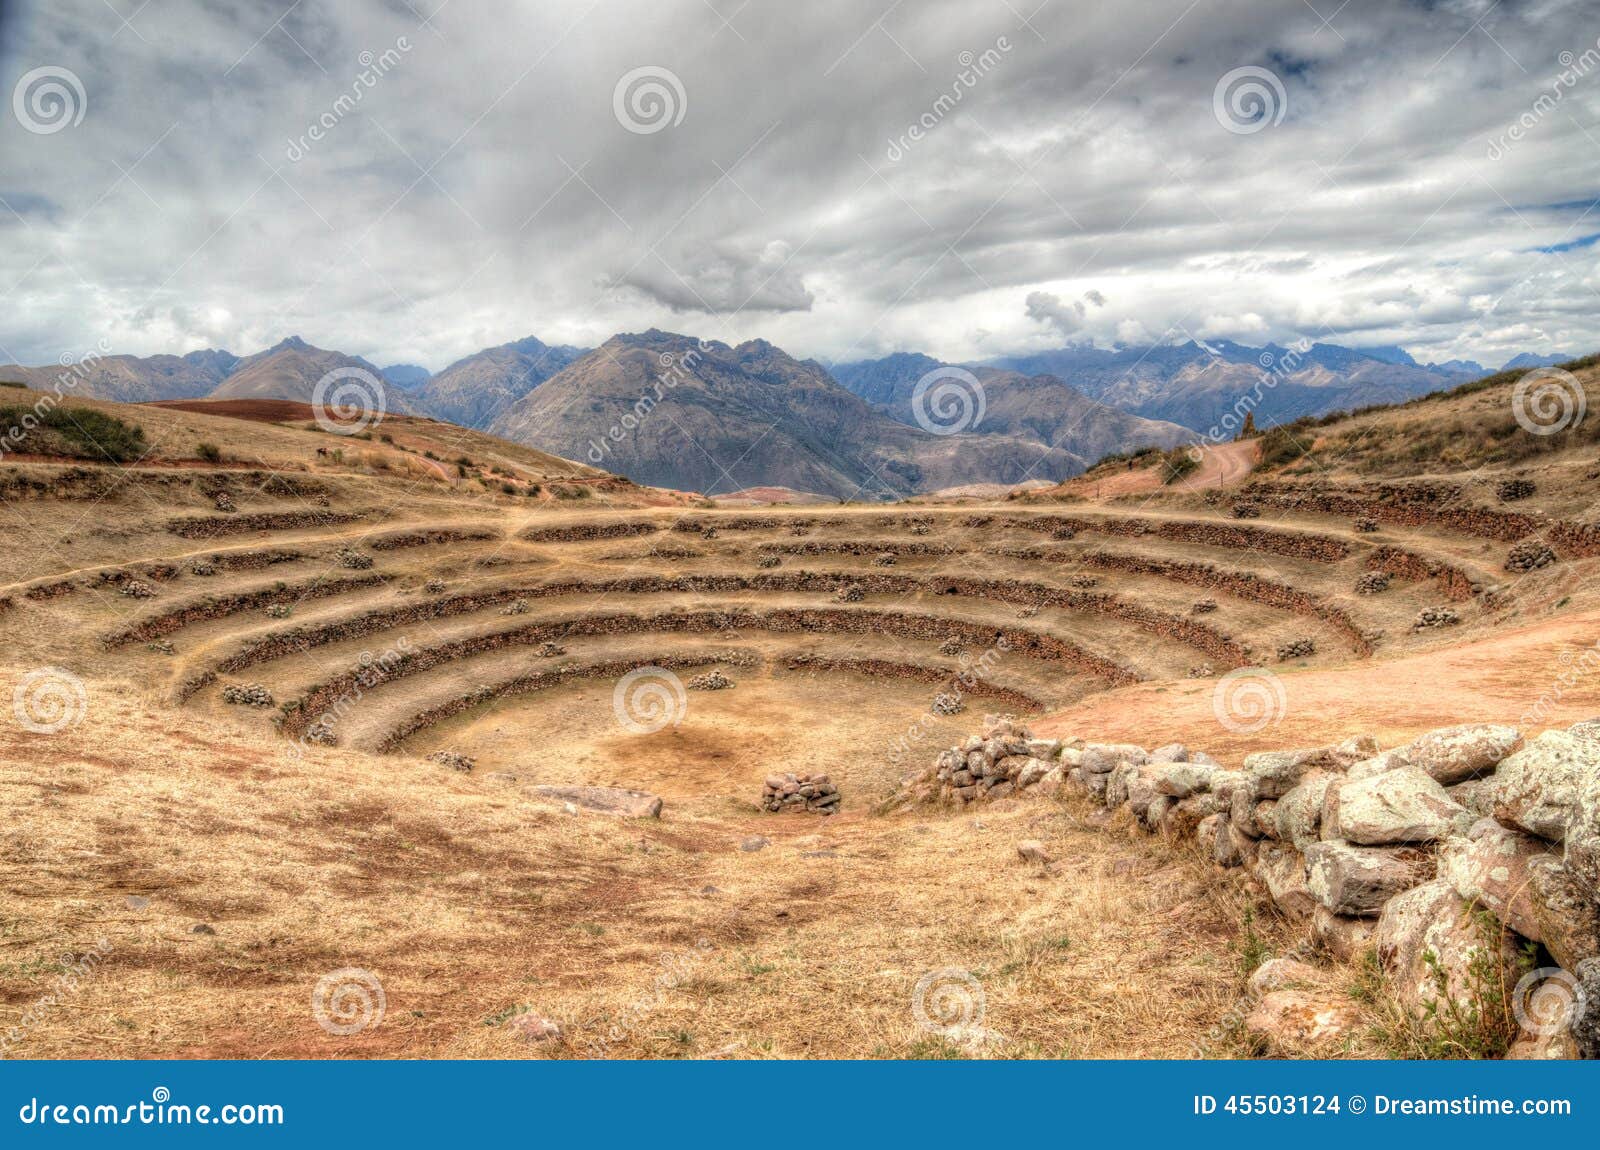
{"x": 210, "y": 452}
{"x": 1179, "y": 462}
{"x": 1283, "y": 444}
{"x": 79, "y": 432}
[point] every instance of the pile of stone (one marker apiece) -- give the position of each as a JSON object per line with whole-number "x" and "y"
{"x": 202, "y": 569}
{"x": 1366, "y": 524}
{"x": 800, "y": 793}
{"x": 354, "y": 560}
{"x": 1005, "y": 760}
{"x": 1202, "y": 671}
{"x": 1529, "y": 555}
{"x": 883, "y": 559}
{"x": 951, "y": 646}
{"x": 1372, "y": 582}
{"x": 247, "y": 695}
{"x": 1514, "y": 489}
{"x": 710, "y": 681}
{"x": 768, "y": 561}
{"x": 138, "y": 589}
{"x": 920, "y": 529}
{"x": 548, "y": 650}
{"x": 1085, "y": 582}
{"x": 1062, "y": 534}
{"x": 947, "y": 703}
{"x": 434, "y": 586}
{"x": 1203, "y": 606}
{"x": 279, "y": 611}
{"x": 515, "y": 607}
{"x": 223, "y": 502}
{"x": 455, "y": 760}
{"x": 851, "y": 594}
{"x": 1435, "y": 617}
{"x": 1297, "y": 649}
{"x": 1246, "y": 510}
{"x": 1400, "y": 851}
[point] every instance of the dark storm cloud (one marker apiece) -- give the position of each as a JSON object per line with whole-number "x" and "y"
{"x": 414, "y": 180}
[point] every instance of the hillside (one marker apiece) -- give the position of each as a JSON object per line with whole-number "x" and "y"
{"x": 1192, "y": 385}
{"x": 717, "y": 419}
{"x": 475, "y": 390}
{"x": 293, "y": 370}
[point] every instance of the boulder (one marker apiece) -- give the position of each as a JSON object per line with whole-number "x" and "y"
{"x": 1100, "y": 758}
{"x": 1583, "y": 832}
{"x": 1299, "y": 813}
{"x": 1171, "y": 753}
{"x": 1141, "y": 789}
{"x": 1400, "y": 806}
{"x": 1050, "y": 783}
{"x": 1118, "y": 783}
{"x": 1242, "y": 807}
{"x": 1537, "y": 788}
{"x": 1566, "y": 915}
{"x": 1264, "y": 820}
{"x": 1184, "y": 816}
{"x": 1279, "y": 974}
{"x": 1489, "y": 865}
{"x": 1283, "y": 870}
{"x": 1294, "y": 1021}
{"x": 1343, "y": 936}
{"x": 1358, "y": 881}
{"x": 606, "y": 800}
{"x": 1275, "y": 773}
{"x": 1378, "y": 764}
{"x": 1455, "y": 754}
{"x": 1432, "y": 920}
{"x": 1223, "y": 783}
{"x": 1355, "y": 749}
{"x": 1178, "y": 779}
{"x": 1241, "y": 847}
{"x": 1477, "y": 795}
{"x": 1154, "y": 813}
{"x": 1032, "y": 851}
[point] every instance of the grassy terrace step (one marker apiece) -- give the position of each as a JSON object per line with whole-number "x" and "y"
{"x": 1238, "y": 584}
{"x": 1422, "y": 505}
{"x": 1207, "y": 532}
{"x": 1031, "y": 644}
{"x": 1200, "y": 636}
{"x": 530, "y": 683}
{"x": 220, "y": 606}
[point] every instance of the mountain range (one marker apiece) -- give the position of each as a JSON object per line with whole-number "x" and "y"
{"x": 669, "y": 410}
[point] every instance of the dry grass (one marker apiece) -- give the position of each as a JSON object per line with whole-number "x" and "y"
{"x": 470, "y": 901}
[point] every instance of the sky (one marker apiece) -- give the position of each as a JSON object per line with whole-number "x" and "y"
{"x": 413, "y": 180}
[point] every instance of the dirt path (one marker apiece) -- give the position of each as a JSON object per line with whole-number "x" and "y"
{"x": 1533, "y": 677}
{"x": 1223, "y": 466}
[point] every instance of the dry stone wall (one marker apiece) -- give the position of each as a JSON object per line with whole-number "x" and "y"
{"x": 1469, "y": 852}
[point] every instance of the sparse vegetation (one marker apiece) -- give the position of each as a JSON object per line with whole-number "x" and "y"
{"x": 76, "y": 432}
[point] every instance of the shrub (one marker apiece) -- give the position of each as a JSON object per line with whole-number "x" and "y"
{"x": 80, "y": 432}
{"x": 210, "y": 452}
{"x": 1177, "y": 463}
{"x": 1283, "y": 444}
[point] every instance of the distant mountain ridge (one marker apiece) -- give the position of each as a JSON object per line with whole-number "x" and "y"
{"x": 475, "y": 390}
{"x": 1196, "y": 384}
{"x": 670, "y": 411}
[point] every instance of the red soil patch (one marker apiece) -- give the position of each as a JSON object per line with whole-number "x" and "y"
{"x": 255, "y": 410}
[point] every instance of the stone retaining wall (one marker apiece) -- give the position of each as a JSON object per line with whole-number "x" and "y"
{"x": 1454, "y": 583}
{"x": 1468, "y": 851}
{"x": 220, "y": 606}
{"x": 957, "y": 682}
{"x": 579, "y": 532}
{"x": 214, "y": 526}
{"x": 430, "y": 537}
{"x": 1292, "y": 544}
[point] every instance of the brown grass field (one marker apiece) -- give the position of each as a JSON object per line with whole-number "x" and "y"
{"x": 225, "y": 867}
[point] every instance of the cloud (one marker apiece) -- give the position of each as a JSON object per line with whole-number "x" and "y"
{"x": 475, "y": 189}
{"x": 1066, "y": 318}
